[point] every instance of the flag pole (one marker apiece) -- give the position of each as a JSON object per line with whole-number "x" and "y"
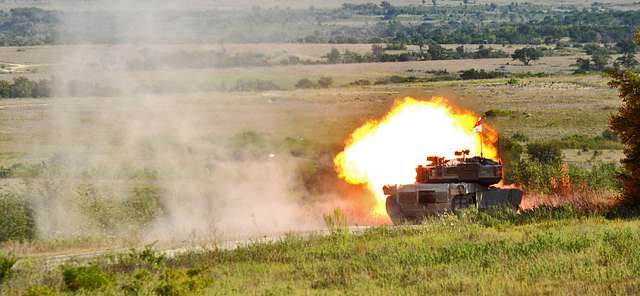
{"x": 481, "y": 142}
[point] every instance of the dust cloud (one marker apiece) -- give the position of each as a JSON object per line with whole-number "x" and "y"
{"x": 155, "y": 165}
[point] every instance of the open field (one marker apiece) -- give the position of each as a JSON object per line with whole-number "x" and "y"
{"x": 542, "y": 108}
{"x": 470, "y": 254}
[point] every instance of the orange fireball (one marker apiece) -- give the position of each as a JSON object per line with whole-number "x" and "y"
{"x": 387, "y": 151}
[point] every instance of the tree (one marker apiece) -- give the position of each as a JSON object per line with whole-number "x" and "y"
{"x": 628, "y": 49}
{"x": 544, "y": 153}
{"x": 626, "y": 125}
{"x": 5, "y": 89}
{"x": 437, "y": 52}
{"x": 526, "y": 55}
{"x": 626, "y": 46}
{"x": 333, "y": 57}
{"x": 22, "y": 88}
{"x": 600, "y": 59}
{"x": 377, "y": 51}
{"x": 584, "y": 65}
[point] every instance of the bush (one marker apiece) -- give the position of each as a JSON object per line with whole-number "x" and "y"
{"x": 174, "y": 282}
{"x": 547, "y": 153}
{"x": 609, "y": 135}
{"x": 360, "y": 82}
{"x": 17, "y": 221}
{"x": 534, "y": 175}
{"x": 325, "y": 82}
{"x": 510, "y": 152}
{"x": 519, "y": 137}
{"x": 305, "y": 83}
{"x": 6, "y": 263}
{"x": 39, "y": 290}
{"x": 89, "y": 278}
{"x": 482, "y": 74}
{"x": 585, "y": 142}
{"x": 497, "y": 113}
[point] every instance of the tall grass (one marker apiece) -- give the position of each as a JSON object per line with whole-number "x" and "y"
{"x": 550, "y": 251}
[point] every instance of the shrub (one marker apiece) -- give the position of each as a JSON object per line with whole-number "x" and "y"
{"x": 39, "y": 290}
{"x": 305, "y": 83}
{"x": 497, "y": 113}
{"x": 609, "y": 135}
{"x": 88, "y": 278}
{"x": 544, "y": 152}
{"x": 360, "y": 82}
{"x": 585, "y": 142}
{"x": 518, "y": 137}
{"x": 510, "y": 152}
{"x": 481, "y": 74}
{"x": 174, "y": 282}
{"x": 6, "y": 263}
{"x": 17, "y": 221}
{"x": 336, "y": 222}
{"x": 325, "y": 82}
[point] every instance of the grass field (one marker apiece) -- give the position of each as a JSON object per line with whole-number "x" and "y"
{"x": 197, "y": 147}
{"x": 552, "y": 253}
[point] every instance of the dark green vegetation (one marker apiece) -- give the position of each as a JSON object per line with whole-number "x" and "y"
{"x": 547, "y": 251}
{"x": 373, "y": 23}
{"x": 22, "y": 87}
{"x": 17, "y": 218}
{"x": 426, "y": 52}
{"x": 514, "y": 24}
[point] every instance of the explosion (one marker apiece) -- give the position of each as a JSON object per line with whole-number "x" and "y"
{"x": 388, "y": 150}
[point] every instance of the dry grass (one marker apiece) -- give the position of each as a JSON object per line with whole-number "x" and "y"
{"x": 586, "y": 201}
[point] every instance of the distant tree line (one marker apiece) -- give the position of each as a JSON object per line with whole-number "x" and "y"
{"x": 426, "y": 52}
{"x": 22, "y": 87}
{"x": 514, "y": 23}
{"x": 508, "y": 24}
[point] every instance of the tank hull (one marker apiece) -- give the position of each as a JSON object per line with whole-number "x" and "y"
{"x": 413, "y": 202}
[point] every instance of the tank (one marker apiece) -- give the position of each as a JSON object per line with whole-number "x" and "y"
{"x": 448, "y": 185}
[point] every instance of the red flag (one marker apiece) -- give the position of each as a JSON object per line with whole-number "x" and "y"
{"x": 478, "y": 127}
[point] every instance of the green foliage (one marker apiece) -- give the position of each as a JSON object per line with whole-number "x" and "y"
{"x": 604, "y": 141}
{"x": 17, "y": 221}
{"x": 88, "y": 278}
{"x": 527, "y": 54}
{"x": 39, "y": 290}
{"x": 519, "y": 137}
{"x": 609, "y": 135}
{"x": 175, "y": 282}
{"x": 546, "y": 153}
{"x": 534, "y": 175}
{"x": 336, "y": 222}
{"x": 538, "y": 176}
{"x": 148, "y": 258}
{"x": 24, "y": 88}
{"x": 480, "y": 74}
{"x": 6, "y": 263}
